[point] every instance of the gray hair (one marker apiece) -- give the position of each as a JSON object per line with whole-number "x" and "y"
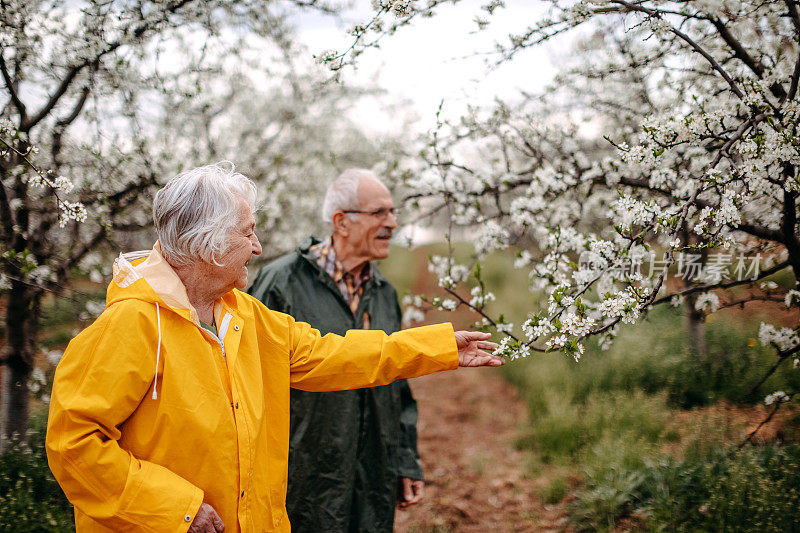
{"x": 195, "y": 212}
{"x": 342, "y": 194}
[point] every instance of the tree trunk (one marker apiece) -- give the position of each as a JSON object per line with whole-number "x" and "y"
{"x": 15, "y": 405}
{"x": 22, "y": 324}
{"x": 695, "y": 321}
{"x": 695, "y": 328}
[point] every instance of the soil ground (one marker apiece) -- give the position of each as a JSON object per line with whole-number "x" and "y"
{"x": 468, "y": 422}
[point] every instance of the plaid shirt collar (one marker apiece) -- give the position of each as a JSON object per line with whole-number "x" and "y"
{"x": 325, "y": 255}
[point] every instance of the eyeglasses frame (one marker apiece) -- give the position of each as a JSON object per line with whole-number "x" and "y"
{"x": 381, "y": 212}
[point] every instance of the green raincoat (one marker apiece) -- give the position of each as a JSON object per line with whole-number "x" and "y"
{"x": 346, "y": 448}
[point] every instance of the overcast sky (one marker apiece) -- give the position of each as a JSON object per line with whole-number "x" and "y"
{"x": 435, "y": 59}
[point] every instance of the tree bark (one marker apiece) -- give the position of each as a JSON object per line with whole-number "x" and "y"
{"x": 15, "y": 406}
{"x": 695, "y": 328}
{"x": 695, "y": 320}
{"x": 22, "y": 324}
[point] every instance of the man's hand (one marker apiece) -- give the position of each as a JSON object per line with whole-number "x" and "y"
{"x": 206, "y": 521}
{"x": 471, "y": 346}
{"x": 411, "y": 492}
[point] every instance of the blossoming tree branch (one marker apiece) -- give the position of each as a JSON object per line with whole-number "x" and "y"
{"x": 696, "y": 162}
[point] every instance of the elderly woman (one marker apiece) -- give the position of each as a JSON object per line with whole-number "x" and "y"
{"x": 171, "y": 411}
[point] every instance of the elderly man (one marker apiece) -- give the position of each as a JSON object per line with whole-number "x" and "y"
{"x": 350, "y": 451}
{"x": 171, "y": 411}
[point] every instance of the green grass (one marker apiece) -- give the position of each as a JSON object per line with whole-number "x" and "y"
{"x": 565, "y": 431}
{"x": 749, "y": 490}
{"x": 30, "y": 498}
{"x": 555, "y": 491}
{"x": 756, "y": 490}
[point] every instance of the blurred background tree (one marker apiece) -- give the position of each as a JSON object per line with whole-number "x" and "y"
{"x": 103, "y": 101}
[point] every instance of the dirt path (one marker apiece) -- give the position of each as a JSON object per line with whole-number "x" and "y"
{"x": 469, "y": 420}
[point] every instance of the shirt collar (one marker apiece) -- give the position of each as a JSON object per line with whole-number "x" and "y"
{"x": 325, "y": 254}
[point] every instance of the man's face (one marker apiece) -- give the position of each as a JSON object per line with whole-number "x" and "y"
{"x": 242, "y": 246}
{"x": 371, "y": 231}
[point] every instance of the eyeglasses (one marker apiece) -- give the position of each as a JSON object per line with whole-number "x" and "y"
{"x": 381, "y": 212}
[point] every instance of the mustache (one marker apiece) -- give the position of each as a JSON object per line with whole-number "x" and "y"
{"x": 384, "y": 233}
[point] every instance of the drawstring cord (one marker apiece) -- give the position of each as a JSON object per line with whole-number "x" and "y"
{"x": 158, "y": 351}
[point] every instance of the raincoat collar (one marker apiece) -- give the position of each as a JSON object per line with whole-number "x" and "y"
{"x": 164, "y": 284}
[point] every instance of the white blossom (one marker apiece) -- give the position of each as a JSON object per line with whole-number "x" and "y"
{"x": 792, "y": 297}
{"x": 63, "y": 183}
{"x": 623, "y": 305}
{"x": 480, "y": 297}
{"x": 572, "y": 324}
{"x": 522, "y": 352}
{"x": 491, "y": 237}
{"x": 605, "y": 340}
{"x": 505, "y": 327}
{"x": 776, "y": 397}
{"x": 94, "y": 308}
{"x": 707, "y": 301}
{"x": 628, "y": 211}
{"x": 579, "y": 351}
{"x": 535, "y": 328}
{"x": 411, "y": 300}
{"x": 448, "y": 304}
{"x": 783, "y": 338}
{"x": 412, "y": 315}
{"x": 42, "y": 274}
{"x": 37, "y": 381}
{"x": 559, "y": 341}
{"x": 54, "y": 356}
{"x": 523, "y": 260}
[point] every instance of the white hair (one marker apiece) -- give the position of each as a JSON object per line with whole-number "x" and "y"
{"x": 342, "y": 194}
{"x": 196, "y": 210}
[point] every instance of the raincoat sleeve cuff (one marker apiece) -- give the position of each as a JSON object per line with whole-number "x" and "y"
{"x": 438, "y": 342}
{"x": 410, "y": 466}
{"x": 191, "y": 510}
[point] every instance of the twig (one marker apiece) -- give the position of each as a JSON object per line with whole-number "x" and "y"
{"x": 727, "y": 285}
{"x": 782, "y": 356}
{"x": 12, "y": 89}
{"x": 41, "y": 174}
{"x": 697, "y": 48}
{"x": 775, "y": 409}
{"x": 793, "y": 87}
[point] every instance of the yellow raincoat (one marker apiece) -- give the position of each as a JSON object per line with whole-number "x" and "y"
{"x": 151, "y": 415}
